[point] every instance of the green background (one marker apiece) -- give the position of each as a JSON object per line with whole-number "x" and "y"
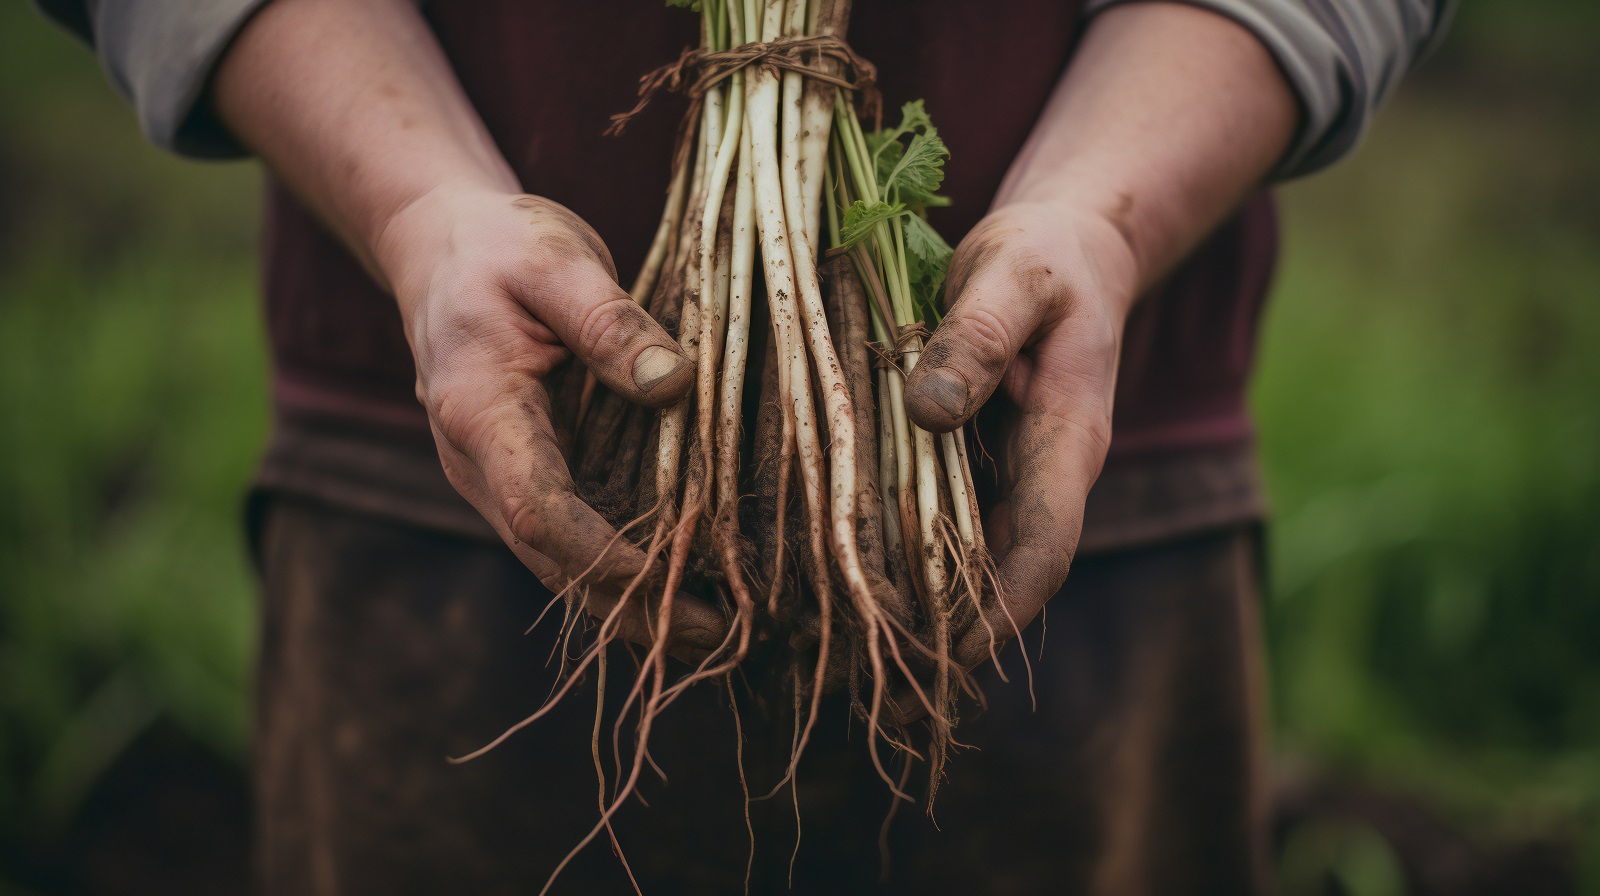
{"x": 1428, "y": 399}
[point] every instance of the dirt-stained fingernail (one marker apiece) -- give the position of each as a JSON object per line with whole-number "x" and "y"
{"x": 946, "y": 388}
{"x": 655, "y": 364}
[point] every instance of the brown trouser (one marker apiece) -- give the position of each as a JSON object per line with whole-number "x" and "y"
{"x": 387, "y": 648}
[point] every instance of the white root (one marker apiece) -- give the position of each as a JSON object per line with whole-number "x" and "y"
{"x": 674, "y": 420}
{"x": 954, "y": 466}
{"x": 816, "y": 120}
{"x": 714, "y": 285}
{"x": 814, "y": 322}
{"x": 736, "y": 351}
{"x": 927, "y": 485}
{"x": 888, "y": 468}
{"x": 780, "y": 267}
{"x": 905, "y": 472}
{"x": 840, "y": 414}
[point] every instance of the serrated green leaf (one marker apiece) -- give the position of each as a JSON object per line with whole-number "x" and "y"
{"x": 862, "y": 216}
{"x": 886, "y": 142}
{"x": 920, "y": 172}
{"x": 910, "y": 171}
{"x": 908, "y": 161}
{"x": 914, "y": 115}
{"x": 887, "y": 158}
{"x": 877, "y": 140}
{"x": 913, "y": 118}
{"x": 925, "y": 242}
{"x": 927, "y": 264}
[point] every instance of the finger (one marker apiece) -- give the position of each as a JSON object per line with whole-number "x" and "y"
{"x": 504, "y": 459}
{"x": 577, "y": 296}
{"x": 1053, "y": 458}
{"x": 997, "y": 309}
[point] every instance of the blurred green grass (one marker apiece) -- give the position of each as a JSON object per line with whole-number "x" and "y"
{"x": 1429, "y": 405}
{"x": 132, "y": 407}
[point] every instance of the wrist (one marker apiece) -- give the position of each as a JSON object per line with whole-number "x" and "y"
{"x": 414, "y": 235}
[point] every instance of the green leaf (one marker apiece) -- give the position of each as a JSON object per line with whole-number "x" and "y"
{"x": 863, "y": 216}
{"x": 924, "y": 242}
{"x": 927, "y": 264}
{"x": 877, "y": 140}
{"x": 685, "y": 4}
{"x": 887, "y": 158}
{"x": 910, "y": 171}
{"x": 908, "y": 161}
{"x": 914, "y": 115}
{"x": 920, "y": 172}
{"x": 885, "y": 144}
{"x": 913, "y": 118}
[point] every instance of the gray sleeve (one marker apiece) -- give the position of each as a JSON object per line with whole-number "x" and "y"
{"x": 1342, "y": 58}
{"x": 160, "y": 54}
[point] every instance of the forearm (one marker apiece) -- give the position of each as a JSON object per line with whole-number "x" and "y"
{"x": 1166, "y": 118}
{"x": 354, "y": 106}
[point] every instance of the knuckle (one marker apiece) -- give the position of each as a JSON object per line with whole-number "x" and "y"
{"x": 454, "y": 412}
{"x": 1101, "y": 340}
{"x": 1061, "y": 565}
{"x": 1052, "y": 561}
{"x": 986, "y": 336}
{"x": 465, "y": 416}
{"x": 447, "y": 406}
{"x": 1038, "y": 280}
{"x": 611, "y": 324}
{"x": 539, "y": 513}
{"x": 1099, "y": 436}
{"x": 527, "y": 517}
{"x": 539, "y": 277}
{"x": 1093, "y": 431}
{"x": 459, "y": 477}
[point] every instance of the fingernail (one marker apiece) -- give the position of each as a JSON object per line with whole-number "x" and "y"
{"x": 947, "y": 388}
{"x": 655, "y": 364}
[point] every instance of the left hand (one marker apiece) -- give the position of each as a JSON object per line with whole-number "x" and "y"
{"x": 1038, "y": 294}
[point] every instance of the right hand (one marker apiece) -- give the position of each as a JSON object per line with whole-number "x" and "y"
{"x": 495, "y": 291}
{"x": 1039, "y": 295}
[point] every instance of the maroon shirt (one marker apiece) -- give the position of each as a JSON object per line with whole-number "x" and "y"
{"x": 545, "y": 76}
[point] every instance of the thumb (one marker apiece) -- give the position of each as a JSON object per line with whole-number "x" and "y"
{"x": 991, "y": 320}
{"x": 610, "y": 333}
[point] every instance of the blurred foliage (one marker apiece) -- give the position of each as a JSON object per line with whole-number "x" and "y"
{"x": 1429, "y": 401}
{"x": 132, "y": 407}
{"x": 1429, "y": 404}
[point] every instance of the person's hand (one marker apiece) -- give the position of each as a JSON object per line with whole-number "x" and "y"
{"x": 496, "y": 290}
{"x": 1038, "y": 294}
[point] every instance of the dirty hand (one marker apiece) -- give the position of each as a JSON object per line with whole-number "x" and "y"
{"x": 1037, "y": 297}
{"x": 496, "y": 290}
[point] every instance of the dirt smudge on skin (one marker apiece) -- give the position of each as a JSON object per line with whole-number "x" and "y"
{"x": 567, "y": 231}
{"x": 1036, "y": 504}
{"x": 981, "y": 247}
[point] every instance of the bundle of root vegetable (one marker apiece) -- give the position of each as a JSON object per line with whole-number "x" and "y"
{"x": 842, "y": 540}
